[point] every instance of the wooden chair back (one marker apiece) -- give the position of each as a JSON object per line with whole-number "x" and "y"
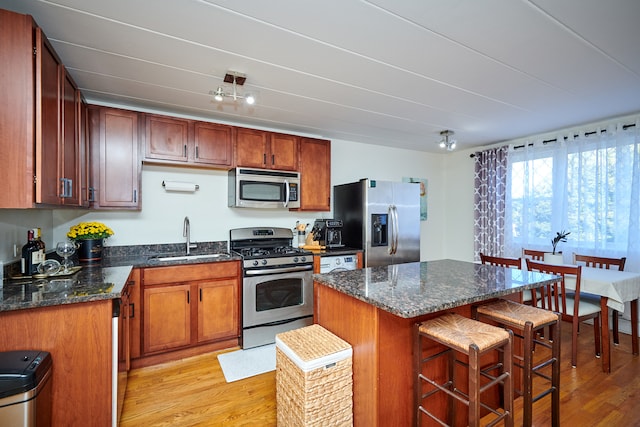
{"x": 501, "y": 261}
{"x": 533, "y": 254}
{"x": 554, "y": 296}
{"x": 599, "y": 262}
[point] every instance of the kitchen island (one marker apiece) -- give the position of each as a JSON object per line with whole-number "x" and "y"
{"x": 374, "y": 309}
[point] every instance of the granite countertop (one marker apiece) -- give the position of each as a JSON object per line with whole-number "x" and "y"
{"x": 413, "y": 289}
{"x": 99, "y": 281}
{"x": 91, "y": 283}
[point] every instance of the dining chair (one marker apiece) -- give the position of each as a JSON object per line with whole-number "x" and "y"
{"x": 533, "y": 254}
{"x": 572, "y": 308}
{"x": 507, "y": 262}
{"x": 607, "y": 263}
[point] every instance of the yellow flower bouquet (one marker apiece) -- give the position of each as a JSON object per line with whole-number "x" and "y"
{"x": 89, "y": 231}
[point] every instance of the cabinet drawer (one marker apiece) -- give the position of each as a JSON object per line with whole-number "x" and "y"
{"x": 188, "y": 273}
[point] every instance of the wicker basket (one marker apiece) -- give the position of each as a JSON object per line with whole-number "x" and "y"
{"x": 314, "y": 385}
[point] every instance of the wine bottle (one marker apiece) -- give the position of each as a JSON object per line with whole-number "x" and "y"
{"x": 26, "y": 265}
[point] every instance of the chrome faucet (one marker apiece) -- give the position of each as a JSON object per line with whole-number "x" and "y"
{"x": 186, "y": 232}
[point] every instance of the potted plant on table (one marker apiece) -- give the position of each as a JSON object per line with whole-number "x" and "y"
{"x": 90, "y": 238}
{"x": 555, "y": 257}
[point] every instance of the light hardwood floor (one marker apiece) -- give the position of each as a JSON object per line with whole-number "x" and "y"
{"x": 193, "y": 392}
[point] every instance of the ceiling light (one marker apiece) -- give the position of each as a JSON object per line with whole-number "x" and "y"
{"x": 236, "y": 79}
{"x": 446, "y": 141}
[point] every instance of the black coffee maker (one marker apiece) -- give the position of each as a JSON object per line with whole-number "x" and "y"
{"x": 328, "y": 232}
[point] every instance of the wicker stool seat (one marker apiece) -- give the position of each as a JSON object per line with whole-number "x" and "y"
{"x": 525, "y": 321}
{"x": 472, "y": 338}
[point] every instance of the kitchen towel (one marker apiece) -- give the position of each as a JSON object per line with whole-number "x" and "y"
{"x": 241, "y": 364}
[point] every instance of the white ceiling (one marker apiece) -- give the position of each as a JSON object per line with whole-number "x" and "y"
{"x": 385, "y": 72}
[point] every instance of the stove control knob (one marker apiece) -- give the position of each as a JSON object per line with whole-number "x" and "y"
{"x": 303, "y": 259}
{"x": 295, "y": 259}
{"x": 255, "y": 263}
{"x": 264, "y": 262}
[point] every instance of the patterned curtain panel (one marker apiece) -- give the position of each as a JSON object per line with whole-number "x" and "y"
{"x": 489, "y": 201}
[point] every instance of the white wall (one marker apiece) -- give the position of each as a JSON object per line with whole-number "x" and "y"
{"x": 161, "y": 218}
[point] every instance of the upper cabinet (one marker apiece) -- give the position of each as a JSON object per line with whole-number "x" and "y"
{"x": 115, "y": 164}
{"x": 40, "y": 111}
{"x": 266, "y": 150}
{"x": 315, "y": 174}
{"x": 171, "y": 140}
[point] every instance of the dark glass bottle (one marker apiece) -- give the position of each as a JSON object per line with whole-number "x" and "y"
{"x": 28, "y": 251}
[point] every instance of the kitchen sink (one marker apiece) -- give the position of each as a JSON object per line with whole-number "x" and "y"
{"x": 190, "y": 257}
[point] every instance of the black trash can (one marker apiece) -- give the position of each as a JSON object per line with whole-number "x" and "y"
{"x": 25, "y": 388}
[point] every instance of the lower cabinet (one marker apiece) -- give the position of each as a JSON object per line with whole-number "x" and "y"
{"x": 185, "y": 307}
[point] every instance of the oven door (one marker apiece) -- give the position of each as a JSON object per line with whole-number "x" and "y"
{"x": 276, "y": 298}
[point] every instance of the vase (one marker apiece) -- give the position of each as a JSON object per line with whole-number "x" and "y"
{"x": 551, "y": 258}
{"x": 90, "y": 250}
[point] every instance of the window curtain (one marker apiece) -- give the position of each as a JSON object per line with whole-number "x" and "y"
{"x": 587, "y": 183}
{"x": 489, "y": 201}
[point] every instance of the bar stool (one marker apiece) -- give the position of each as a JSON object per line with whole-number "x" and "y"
{"x": 525, "y": 321}
{"x": 473, "y": 339}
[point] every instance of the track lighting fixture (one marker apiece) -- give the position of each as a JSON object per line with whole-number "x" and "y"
{"x": 236, "y": 79}
{"x": 446, "y": 141}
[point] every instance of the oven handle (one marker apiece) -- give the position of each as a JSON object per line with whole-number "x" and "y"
{"x": 277, "y": 322}
{"x": 278, "y": 270}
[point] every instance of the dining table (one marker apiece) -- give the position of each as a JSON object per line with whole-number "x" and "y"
{"x": 614, "y": 288}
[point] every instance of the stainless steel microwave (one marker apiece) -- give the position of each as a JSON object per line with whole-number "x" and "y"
{"x": 264, "y": 188}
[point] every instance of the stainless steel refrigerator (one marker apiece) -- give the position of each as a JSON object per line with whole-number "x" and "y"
{"x": 380, "y": 217}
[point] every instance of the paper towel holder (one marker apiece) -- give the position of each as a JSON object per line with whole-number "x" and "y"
{"x": 186, "y": 187}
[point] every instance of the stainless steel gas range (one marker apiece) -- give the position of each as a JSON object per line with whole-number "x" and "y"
{"x": 277, "y": 288}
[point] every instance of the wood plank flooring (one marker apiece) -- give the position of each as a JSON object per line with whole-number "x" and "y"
{"x": 193, "y": 392}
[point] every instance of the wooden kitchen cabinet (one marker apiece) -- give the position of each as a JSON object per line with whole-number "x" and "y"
{"x": 116, "y": 169}
{"x": 266, "y": 150}
{"x": 315, "y": 174}
{"x": 135, "y": 322}
{"x": 166, "y": 138}
{"x": 213, "y": 144}
{"x": 175, "y": 141}
{"x": 40, "y": 114}
{"x": 202, "y": 302}
{"x": 79, "y": 338}
{"x": 217, "y": 309}
{"x": 167, "y": 317}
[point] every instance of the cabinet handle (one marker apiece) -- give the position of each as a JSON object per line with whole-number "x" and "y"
{"x": 264, "y": 159}
{"x": 135, "y": 196}
{"x": 132, "y": 310}
{"x": 188, "y": 297}
{"x": 200, "y": 294}
{"x": 197, "y": 155}
{"x": 185, "y": 150}
{"x": 273, "y": 159}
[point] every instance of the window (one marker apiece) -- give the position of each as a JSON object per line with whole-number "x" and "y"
{"x": 588, "y": 185}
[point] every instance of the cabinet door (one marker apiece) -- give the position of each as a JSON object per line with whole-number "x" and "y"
{"x": 167, "y": 317}
{"x": 114, "y": 158}
{"x": 283, "y": 152}
{"x": 48, "y": 184}
{"x": 251, "y": 148}
{"x": 134, "y": 313}
{"x": 70, "y": 142}
{"x": 166, "y": 138}
{"x": 315, "y": 174}
{"x": 17, "y": 94}
{"x": 213, "y": 144}
{"x": 217, "y": 310}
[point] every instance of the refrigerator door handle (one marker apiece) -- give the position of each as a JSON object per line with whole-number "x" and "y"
{"x": 393, "y": 211}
